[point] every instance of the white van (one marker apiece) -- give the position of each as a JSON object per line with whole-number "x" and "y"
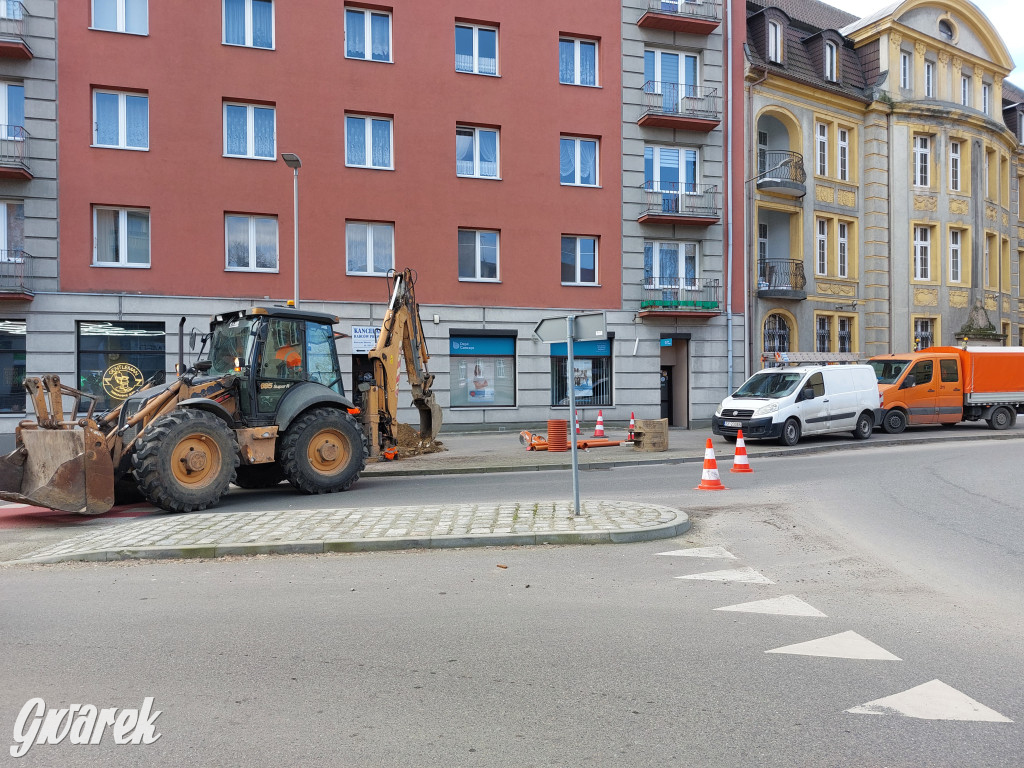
{"x": 785, "y": 403}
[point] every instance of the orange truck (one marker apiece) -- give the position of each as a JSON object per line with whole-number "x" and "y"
{"x": 946, "y": 385}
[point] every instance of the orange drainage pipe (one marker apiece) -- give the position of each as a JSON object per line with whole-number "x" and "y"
{"x": 587, "y": 444}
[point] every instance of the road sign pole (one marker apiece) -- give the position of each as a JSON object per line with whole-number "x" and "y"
{"x": 571, "y": 382}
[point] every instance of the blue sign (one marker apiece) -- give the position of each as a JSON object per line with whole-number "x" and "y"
{"x": 482, "y": 345}
{"x": 602, "y": 348}
{"x": 666, "y": 342}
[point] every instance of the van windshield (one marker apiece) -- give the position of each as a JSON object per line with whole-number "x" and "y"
{"x": 772, "y": 385}
{"x": 889, "y": 371}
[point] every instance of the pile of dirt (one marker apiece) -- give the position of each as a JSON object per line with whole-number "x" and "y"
{"x": 411, "y": 444}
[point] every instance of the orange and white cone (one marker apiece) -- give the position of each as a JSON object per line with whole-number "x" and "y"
{"x": 740, "y": 462}
{"x": 632, "y": 426}
{"x": 578, "y": 423}
{"x": 599, "y": 427}
{"x": 709, "y": 480}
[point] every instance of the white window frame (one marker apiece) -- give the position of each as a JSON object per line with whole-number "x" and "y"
{"x": 922, "y": 253}
{"x": 252, "y": 243}
{"x": 678, "y": 281}
{"x": 929, "y": 79}
{"x": 922, "y": 161}
{"x": 954, "y": 165}
{"x": 762, "y": 242}
{"x": 497, "y": 260}
{"x": 577, "y": 43}
{"x": 122, "y": 119}
{"x": 821, "y": 148}
{"x": 831, "y": 61}
{"x": 986, "y": 98}
{"x": 476, "y": 50}
{"x": 821, "y": 247}
{"x": 476, "y": 174}
{"x": 597, "y": 245}
{"x": 965, "y": 90}
{"x": 7, "y": 252}
{"x": 250, "y": 130}
{"x": 843, "y": 252}
{"x": 368, "y": 141}
{"x": 774, "y": 42}
{"x": 368, "y": 15}
{"x": 121, "y": 25}
{"x": 122, "y": 226}
{"x": 844, "y": 154}
{"x": 924, "y": 327}
{"x": 904, "y": 70}
{"x": 955, "y": 255}
{"x": 577, "y": 143}
{"x": 248, "y": 27}
{"x": 369, "y": 227}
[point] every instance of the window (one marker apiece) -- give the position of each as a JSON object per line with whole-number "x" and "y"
{"x": 821, "y": 248}
{"x": 965, "y": 90}
{"x": 120, "y": 237}
{"x": 120, "y": 120}
{"x": 821, "y": 144}
{"x": 577, "y": 61}
{"x": 776, "y": 333}
{"x": 12, "y": 111}
{"x": 478, "y": 255}
{"x": 844, "y": 337}
{"x": 823, "y": 335}
{"x": 578, "y": 161}
{"x": 362, "y": 26}
{"x": 673, "y": 75}
{"x": 483, "y": 371}
{"x": 671, "y": 267}
{"x": 12, "y": 365}
{"x": 476, "y": 152}
{"x": 949, "y": 371}
{"x": 591, "y": 375}
{"x": 989, "y": 257}
{"x": 249, "y": 131}
{"x": 954, "y": 166}
{"x": 369, "y": 248}
{"x": 762, "y": 242}
{"x": 924, "y": 337}
{"x": 476, "y": 49}
{"x": 986, "y": 98}
{"x": 368, "y": 142}
{"x": 955, "y": 262}
{"x": 843, "y": 254}
{"x": 904, "y": 70}
{"x": 673, "y": 172}
{"x": 249, "y": 23}
{"x": 922, "y": 253}
{"x": 922, "y": 159}
{"x": 579, "y": 260}
{"x": 946, "y": 30}
{"x": 12, "y": 232}
{"x": 130, "y": 16}
{"x": 774, "y": 42}
{"x": 251, "y": 243}
{"x": 844, "y": 154}
{"x": 115, "y": 358}
{"x": 929, "y": 80}
{"x": 830, "y": 62}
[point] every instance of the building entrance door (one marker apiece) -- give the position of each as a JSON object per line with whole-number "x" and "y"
{"x": 666, "y": 392}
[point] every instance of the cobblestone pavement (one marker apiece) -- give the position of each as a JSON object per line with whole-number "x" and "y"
{"x": 213, "y": 534}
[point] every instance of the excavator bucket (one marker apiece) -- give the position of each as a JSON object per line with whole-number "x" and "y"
{"x": 430, "y": 417}
{"x": 69, "y": 470}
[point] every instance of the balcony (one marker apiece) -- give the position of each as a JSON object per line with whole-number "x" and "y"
{"x": 687, "y": 107}
{"x": 781, "y": 279}
{"x": 15, "y": 269}
{"x": 681, "y": 297}
{"x": 674, "y": 203}
{"x": 781, "y": 172}
{"x": 14, "y": 152}
{"x": 12, "y": 31}
{"x": 699, "y": 18}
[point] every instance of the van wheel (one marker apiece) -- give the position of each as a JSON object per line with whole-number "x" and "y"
{"x": 790, "y": 433}
{"x": 1002, "y": 418}
{"x": 894, "y": 422}
{"x": 865, "y": 426}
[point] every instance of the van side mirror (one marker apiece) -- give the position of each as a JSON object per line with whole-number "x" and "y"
{"x": 910, "y": 381}
{"x": 807, "y": 393}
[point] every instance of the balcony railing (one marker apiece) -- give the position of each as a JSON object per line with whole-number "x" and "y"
{"x": 15, "y": 271}
{"x": 682, "y": 294}
{"x": 682, "y": 15}
{"x": 12, "y": 30}
{"x": 681, "y": 103}
{"x": 680, "y": 203}
{"x": 781, "y": 170}
{"x": 14, "y": 153}
{"x": 781, "y": 278}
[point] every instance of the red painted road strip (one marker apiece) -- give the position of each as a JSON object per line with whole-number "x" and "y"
{"x": 24, "y": 516}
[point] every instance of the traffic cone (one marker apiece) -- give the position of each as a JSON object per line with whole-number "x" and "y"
{"x": 709, "y": 480}
{"x": 599, "y": 427}
{"x": 740, "y": 463}
{"x": 632, "y": 426}
{"x": 578, "y": 423}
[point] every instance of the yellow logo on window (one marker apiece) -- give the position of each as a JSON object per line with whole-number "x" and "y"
{"x": 121, "y": 380}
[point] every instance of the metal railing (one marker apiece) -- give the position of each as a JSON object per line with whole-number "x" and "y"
{"x": 697, "y": 294}
{"x": 704, "y": 9}
{"x": 781, "y": 274}
{"x": 675, "y": 199}
{"x": 12, "y": 19}
{"x": 780, "y": 165}
{"x": 14, "y": 145}
{"x": 15, "y": 270}
{"x": 682, "y": 100}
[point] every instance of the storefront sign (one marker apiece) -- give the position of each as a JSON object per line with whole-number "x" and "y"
{"x": 364, "y": 338}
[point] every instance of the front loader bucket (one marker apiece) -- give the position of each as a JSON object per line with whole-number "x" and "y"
{"x": 64, "y": 469}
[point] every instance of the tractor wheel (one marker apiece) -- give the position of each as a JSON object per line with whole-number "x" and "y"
{"x": 185, "y": 461}
{"x": 323, "y": 451}
{"x": 258, "y": 475}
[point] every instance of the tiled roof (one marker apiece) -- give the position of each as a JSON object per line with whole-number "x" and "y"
{"x": 1012, "y": 93}
{"x": 817, "y": 14}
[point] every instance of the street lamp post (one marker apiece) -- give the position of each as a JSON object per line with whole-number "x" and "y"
{"x": 293, "y": 162}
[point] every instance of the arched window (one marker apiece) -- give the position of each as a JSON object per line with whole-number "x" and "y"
{"x": 776, "y": 333}
{"x": 831, "y": 62}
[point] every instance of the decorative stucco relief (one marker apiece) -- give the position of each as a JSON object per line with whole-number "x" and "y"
{"x": 847, "y": 198}
{"x": 824, "y": 194}
{"x": 990, "y": 212}
{"x": 835, "y": 289}
{"x": 990, "y": 302}
{"x": 959, "y": 299}
{"x": 926, "y": 203}
{"x": 926, "y": 297}
{"x": 959, "y": 206}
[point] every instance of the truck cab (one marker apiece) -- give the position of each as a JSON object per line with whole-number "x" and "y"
{"x": 919, "y": 388}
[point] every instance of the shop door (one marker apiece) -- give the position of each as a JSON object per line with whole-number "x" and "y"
{"x": 666, "y": 392}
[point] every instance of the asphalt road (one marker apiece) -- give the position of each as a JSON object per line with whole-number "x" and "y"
{"x": 590, "y": 655}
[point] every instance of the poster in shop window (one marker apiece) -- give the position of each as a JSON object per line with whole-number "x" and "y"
{"x": 583, "y": 378}
{"x": 481, "y": 385}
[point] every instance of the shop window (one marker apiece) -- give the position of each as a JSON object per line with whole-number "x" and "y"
{"x": 591, "y": 376}
{"x": 116, "y": 358}
{"x": 483, "y": 371}
{"x": 12, "y": 366}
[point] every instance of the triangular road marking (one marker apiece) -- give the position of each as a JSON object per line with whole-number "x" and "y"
{"x": 787, "y": 605}
{"x": 932, "y": 701}
{"x": 845, "y": 645}
{"x": 702, "y": 552}
{"x": 748, "y": 575}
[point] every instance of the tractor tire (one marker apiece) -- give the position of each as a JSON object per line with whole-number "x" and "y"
{"x": 258, "y": 476}
{"x": 323, "y": 451}
{"x": 186, "y": 460}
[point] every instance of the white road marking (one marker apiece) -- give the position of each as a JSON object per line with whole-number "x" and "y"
{"x": 748, "y": 575}
{"x": 787, "y": 605}
{"x": 845, "y": 645}
{"x": 931, "y": 701}
{"x": 702, "y": 552}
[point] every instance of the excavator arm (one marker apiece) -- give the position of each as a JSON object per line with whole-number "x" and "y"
{"x": 401, "y": 336}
